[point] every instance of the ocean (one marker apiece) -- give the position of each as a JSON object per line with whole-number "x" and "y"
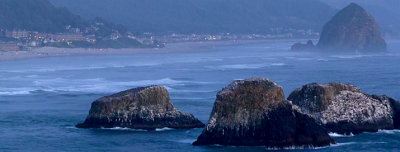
{"x": 42, "y": 99}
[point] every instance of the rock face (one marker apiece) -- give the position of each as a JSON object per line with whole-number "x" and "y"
{"x": 351, "y": 29}
{"x": 344, "y": 109}
{"x": 395, "y": 105}
{"x": 254, "y": 112}
{"x": 140, "y": 108}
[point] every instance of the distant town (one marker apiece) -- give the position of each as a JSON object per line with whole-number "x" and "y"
{"x": 17, "y": 40}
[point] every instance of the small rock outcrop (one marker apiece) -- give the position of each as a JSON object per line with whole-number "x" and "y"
{"x": 299, "y": 46}
{"x": 344, "y": 109}
{"x": 351, "y": 29}
{"x": 254, "y": 112}
{"x": 140, "y": 108}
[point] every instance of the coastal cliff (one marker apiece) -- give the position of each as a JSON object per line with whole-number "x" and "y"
{"x": 254, "y": 112}
{"x": 140, "y": 108}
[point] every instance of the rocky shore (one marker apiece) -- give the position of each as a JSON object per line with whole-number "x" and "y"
{"x": 254, "y": 112}
{"x": 140, "y": 108}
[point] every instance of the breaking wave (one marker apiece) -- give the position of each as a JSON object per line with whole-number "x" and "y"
{"x": 337, "y": 145}
{"x": 332, "y": 134}
{"x": 60, "y": 85}
{"x": 389, "y": 131}
{"x": 123, "y": 129}
{"x": 243, "y": 66}
{"x": 164, "y": 129}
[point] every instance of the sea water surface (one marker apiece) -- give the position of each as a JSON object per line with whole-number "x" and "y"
{"x": 42, "y": 99}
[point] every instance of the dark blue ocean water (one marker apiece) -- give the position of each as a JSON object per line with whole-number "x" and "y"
{"x": 42, "y": 99}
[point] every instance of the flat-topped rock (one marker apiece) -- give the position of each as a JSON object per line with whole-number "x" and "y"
{"x": 254, "y": 112}
{"x": 140, "y": 108}
{"x": 343, "y": 108}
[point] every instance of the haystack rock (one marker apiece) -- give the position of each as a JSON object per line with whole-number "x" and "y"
{"x": 254, "y": 112}
{"x": 351, "y": 29}
{"x": 140, "y": 108}
{"x": 344, "y": 109}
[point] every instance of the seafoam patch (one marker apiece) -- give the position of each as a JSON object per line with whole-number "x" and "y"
{"x": 389, "y": 131}
{"x": 333, "y": 134}
{"x": 164, "y": 129}
{"x": 122, "y": 129}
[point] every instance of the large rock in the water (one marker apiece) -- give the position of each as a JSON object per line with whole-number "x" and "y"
{"x": 141, "y": 108}
{"x": 352, "y": 29}
{"x": 254, "y": 112}
{"x": 343, "y": 108}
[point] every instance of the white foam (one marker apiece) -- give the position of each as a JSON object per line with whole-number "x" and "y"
{"x": 71, "y": 127}
{"x": 349, "y": 143}
{"x": 337, "y": 145}
{"x": 347, "y": 56}
{"x": 389, "y": 131}
{"x": 80, "y": 67}
{"x": 164, "y": 129}
{"x": 333, "y": 134}
{"x": 277, "y": 64}
{"x": 12, "y": 93}
{"x": 123, "y": 129}
{"x": 240, "y": 66}
{"x": 244, "y": 66}
{"x": 97, "y": 85}
{"x": 113, "y": 63}
{"x": 305, "y": 147}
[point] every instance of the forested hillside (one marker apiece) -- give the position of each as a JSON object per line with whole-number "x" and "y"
{"x": 37, "y": 15}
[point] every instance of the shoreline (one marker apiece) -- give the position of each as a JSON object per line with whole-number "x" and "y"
{"x": 179, "y": 47}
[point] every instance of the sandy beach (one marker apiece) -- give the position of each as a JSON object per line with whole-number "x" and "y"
{"x": 170, "y": 48}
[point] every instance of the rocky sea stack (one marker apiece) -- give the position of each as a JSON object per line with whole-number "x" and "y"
{"x": 254, "y": 112}
{"x": 140, "y": 108}
{"x": 344, "y": 109}
{"x": 300, "y": 46}
{"x": 351, "y": 29}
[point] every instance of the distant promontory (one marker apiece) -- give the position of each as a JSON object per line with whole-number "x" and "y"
{"x": 351, "y": 29}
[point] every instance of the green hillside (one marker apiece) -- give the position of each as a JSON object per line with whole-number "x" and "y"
{"x": 37, "y": 15}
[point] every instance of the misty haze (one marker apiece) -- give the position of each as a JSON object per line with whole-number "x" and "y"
{"x": 199, "y": 75}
